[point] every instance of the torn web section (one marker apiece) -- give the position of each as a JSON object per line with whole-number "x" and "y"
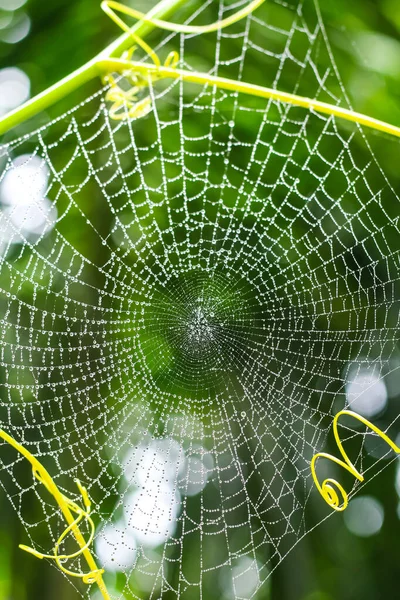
{"x": 181, "y": 333}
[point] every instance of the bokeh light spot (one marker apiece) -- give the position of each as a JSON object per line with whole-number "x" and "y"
{"x": 364, "y": 516}
{"x": 365, "y": 391}
{"x": 14, "y": 88}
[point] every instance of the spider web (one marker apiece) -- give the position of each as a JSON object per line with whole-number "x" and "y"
{"x": 186, "y": 300}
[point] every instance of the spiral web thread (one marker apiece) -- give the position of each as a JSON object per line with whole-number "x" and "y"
{"x": 184, "y": 299}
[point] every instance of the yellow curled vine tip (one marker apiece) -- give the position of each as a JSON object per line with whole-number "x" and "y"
{"x": 330, "y": 489}
{"x": 69, "y": 508}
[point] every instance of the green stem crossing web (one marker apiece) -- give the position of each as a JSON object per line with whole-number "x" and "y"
{"x": 109, "y": 60}
{"x": 87, "y": 72}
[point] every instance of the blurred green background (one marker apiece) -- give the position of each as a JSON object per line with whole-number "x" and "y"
{"x": 47, "y": 40}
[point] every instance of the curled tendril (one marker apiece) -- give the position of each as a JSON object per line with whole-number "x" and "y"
{"x": 82, "y": 514}
{"x": 125, "y": 104}
{"x": 69, "y": 508}
{"x": 330, "y": 489}
{"x": 329, "y": 492}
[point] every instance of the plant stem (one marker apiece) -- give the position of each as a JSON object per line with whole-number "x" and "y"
{"x": 108, "y": 60}
{"x": 117, "y": 65}
{"x": 43, "y": 476}
{"x": 85, "y": 73}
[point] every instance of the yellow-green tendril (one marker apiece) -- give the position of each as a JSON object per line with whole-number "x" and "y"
{"x": 112, "y": 8}
{"x": 152, "y": 72}
{"x": 331, "y": 489}
{"x": 125, "y": 103}
{"x": 129, "y": 105}
{"x": 69, "y": 508}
